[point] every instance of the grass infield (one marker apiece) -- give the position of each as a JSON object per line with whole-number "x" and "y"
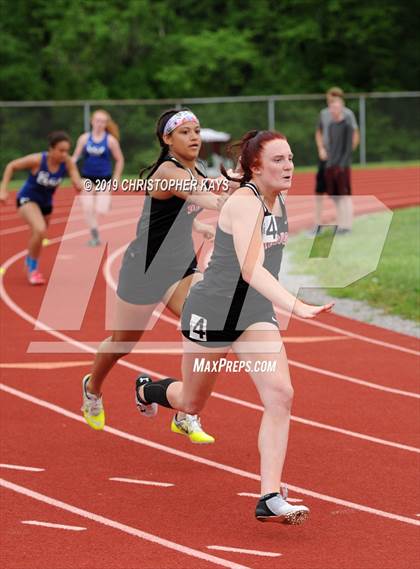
{"x": 395, "y": 285}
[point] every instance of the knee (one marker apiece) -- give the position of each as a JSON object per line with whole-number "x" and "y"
{"x": 280, "y": 400}
{"x": 39, "y": 231}
{"x": 115, "y": 348}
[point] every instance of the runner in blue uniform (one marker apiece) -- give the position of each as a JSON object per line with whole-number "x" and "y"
{"x": 97, "y": 148}
{"x": 35, "y": 199}
{"x": 232, "y": 307}
{"x": 160, "y": 264}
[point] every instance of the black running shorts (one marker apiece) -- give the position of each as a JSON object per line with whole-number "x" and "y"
{"x": 204, "y": 320}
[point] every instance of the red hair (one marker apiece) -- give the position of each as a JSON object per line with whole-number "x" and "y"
{"x": 250, "y": 147}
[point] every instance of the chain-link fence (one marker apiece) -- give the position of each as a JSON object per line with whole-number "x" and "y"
{"x": 389, "y": 123}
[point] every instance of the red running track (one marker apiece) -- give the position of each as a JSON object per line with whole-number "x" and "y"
{"x": 352, "y": 457}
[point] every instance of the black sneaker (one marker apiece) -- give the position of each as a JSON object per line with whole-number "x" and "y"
{"x": 274, "y": 508}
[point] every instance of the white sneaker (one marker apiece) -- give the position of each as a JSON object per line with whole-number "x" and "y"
{"x": 274, "y": 508}
{"x": 93, "y": 409}
{"x": 190, "y": 426}
{"x": 146, "y": 409}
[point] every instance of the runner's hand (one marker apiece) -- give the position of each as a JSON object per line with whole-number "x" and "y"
{"x": 207, "y": 230}
{"x": 322, "y": 153}
{"x": 304, "y": 310}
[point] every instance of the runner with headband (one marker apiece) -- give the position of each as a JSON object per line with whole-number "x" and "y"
{"x": 160, "y": 264}
{"x": 233, "y": 307}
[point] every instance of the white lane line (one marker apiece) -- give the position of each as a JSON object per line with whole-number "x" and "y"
{"x": 44, "y": 365}
{"x": 50, "y": 525}
{"x": 24, "y": 315}
{"x": 57, "y": 221}
{"x": 205, "y": 461}
{"x": 246, "y": 551}
{"x": 355, "y": 380}
{"x": 145, "y": 482}
{"x": 252, "y": 495}
{"x": 321, "y": 425}
{"x": 119, "y": 526}
{"x": 40, "y": 325}
{"x": 48, "y": 347}
{"x": 18, "y": 467}
{"x": 358, "y": 336}
{"x": 111, "y": 282}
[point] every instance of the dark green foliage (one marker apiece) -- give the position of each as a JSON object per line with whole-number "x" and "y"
{"x": 98, "y": 49}
{"x": 131, "y": 49}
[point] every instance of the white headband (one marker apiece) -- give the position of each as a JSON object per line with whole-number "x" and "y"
{"x": 178, "y": 119}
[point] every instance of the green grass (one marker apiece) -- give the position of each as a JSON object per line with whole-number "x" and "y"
{"x": 336, "y": 261}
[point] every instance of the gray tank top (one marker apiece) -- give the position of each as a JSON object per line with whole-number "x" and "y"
{"x": 223, "y": 278}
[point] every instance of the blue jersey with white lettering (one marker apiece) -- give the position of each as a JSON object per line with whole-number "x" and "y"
{"x": 40, "y": 187}
{"x": 97, "y": 161}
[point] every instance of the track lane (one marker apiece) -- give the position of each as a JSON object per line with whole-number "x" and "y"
{"x": 195, "y": 484}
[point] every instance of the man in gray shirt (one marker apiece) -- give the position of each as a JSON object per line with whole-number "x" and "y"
{"x": 322, "y": 138}
{"x": 337, "y": 171}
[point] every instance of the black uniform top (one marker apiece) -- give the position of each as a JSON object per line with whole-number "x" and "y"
{"x": 166, "y": 226}
{"x": 223, "y": 279}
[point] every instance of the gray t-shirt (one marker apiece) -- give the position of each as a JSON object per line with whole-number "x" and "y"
{"x": 340, "y": 149}
{"x": 325, "y": 120}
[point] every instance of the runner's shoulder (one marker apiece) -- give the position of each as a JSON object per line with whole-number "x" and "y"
{"x": 169, "y": 170}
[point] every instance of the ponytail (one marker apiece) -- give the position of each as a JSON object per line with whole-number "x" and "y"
{"x": 153, "y": 167}
{"x": 113, "y": 129}
{"x": 250, "y": 147}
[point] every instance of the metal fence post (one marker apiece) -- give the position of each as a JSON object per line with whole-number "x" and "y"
{"x": 86, "y": 117}
{"x": 271, "y": 110}
{"x": 362, "y": 125}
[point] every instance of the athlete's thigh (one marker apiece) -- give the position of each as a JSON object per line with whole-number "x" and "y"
{"x": 198, "y": 371}
{"x": 32, "y": 214}
{"x": 102, "y": 202}
{"x": 177, "y": 293}
{"x": 129, "y": 317}
{"x": 87, "y": 199}
{"x": 262, "y": 348}
{"x": 124, "y": 341}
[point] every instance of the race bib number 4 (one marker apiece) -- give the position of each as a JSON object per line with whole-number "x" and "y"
{"x": 270, "y": 231}
{"x": 198, "y": 328}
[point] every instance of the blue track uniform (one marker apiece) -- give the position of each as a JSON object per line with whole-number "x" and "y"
{"x": 97, "y": 160}
{"x": 40, "y": 187}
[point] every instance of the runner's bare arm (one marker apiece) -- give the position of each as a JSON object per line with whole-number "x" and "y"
{"x": 187, "y": 188}
{"x": 30, "y": 162}
{"x": 245, "y": 219}
{"x": 117, "y": 154}
{"x": 74, "y": 174}
{"x": 81, "y": 141}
